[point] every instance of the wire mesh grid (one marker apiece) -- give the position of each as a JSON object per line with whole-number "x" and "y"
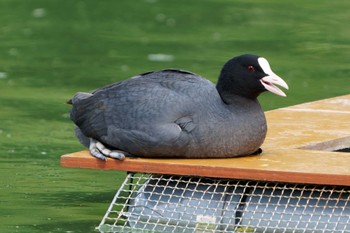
{"x": 163, "y": 203}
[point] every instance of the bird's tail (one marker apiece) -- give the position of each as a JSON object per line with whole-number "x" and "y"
{"x": 78, "y": 111}
{"x": 79, "y": 96}
{"x": 87, "y": 115}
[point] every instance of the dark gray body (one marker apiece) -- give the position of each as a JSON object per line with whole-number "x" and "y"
{"x": 169, "y": 113}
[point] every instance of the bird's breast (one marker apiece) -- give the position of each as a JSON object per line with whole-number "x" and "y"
{"x": 229, "y": 134}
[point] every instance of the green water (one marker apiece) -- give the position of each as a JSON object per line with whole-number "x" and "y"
{"x": 51, "y": 49}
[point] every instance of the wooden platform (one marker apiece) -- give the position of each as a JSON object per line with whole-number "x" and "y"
{"x": 298, "y": 149}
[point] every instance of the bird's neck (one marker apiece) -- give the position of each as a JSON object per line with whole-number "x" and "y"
{"x": 229, "y": 90}
{"x": 240, "y": 103}
{"x": 233, "y": 96}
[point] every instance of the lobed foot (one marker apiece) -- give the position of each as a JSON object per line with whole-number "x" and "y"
{"x": 98, "y": 150}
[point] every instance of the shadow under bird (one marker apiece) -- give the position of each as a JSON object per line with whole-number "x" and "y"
{"x": 176, "y": 113}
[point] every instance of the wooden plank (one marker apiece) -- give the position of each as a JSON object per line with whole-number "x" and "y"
{"x": 321, "y": 124}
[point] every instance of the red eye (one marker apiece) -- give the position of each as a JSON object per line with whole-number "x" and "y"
{"x": 251, "y": 69}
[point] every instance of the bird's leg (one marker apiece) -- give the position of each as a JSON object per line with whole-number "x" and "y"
{"x": 115, "y": 154}
{"x": 98, "y": 150}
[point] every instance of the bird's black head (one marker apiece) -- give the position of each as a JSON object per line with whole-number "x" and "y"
{"x": 248, "y": 76}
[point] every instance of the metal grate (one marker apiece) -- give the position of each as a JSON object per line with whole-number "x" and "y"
{"x": 163, "y": 203}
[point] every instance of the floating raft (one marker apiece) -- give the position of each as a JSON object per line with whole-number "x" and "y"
{"x": 300, "y": 183}
{"x": 305, "y": 144}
